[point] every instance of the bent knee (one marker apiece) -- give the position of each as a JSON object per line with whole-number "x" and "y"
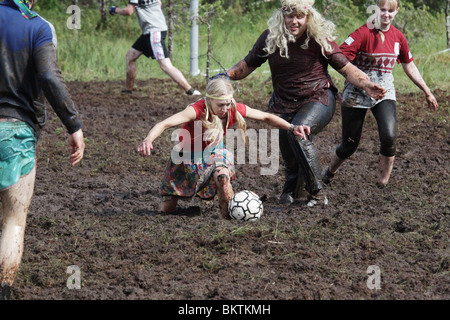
{"x": 222, "y": 177}
{"x": 132, "y": 55}
{"x": 346, "y": 149}
{"x": 388, "y": 144}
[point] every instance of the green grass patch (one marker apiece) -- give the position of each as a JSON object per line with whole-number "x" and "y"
{"x": 97, "y": 52}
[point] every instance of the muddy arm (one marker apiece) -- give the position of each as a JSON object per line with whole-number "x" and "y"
{"x": 55, "y": 90}
{"x": 361, "y": 80}
{"x": 276, "y": 121}
{"x": 188, "y": 114}
{"x": 240, "y": 70}
{"x": 413, "y": 73}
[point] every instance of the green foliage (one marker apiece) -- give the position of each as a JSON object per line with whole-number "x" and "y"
{"x": 416, "y": 22}
{"x": 347, "y": 18}
{"x": 50, "y": 5}
{"x": 433, "y": 5}
{"x": 93, "y": 53}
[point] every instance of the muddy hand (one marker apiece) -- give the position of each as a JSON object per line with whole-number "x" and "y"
{"x": 375, "y": 91}
{"x": 302, "y": 131}
{"x": 432, "y": 102}
{"x": 145, "y": 148}
{"x": 76, "y": 144}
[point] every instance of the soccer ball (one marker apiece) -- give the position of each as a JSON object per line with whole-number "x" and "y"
{"x": 246, "y": 206}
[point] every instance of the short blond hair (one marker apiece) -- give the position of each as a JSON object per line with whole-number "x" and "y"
{"x": 394, "y": 4}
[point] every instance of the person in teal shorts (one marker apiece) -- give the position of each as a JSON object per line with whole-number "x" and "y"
{"x": 29, "y": 75}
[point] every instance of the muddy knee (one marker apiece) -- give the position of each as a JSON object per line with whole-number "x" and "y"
{"x": 223, "y": 179}
{"x": 388, "y": 144}
{"x": 347, "y": 148}
{"x": 222, "y": 176}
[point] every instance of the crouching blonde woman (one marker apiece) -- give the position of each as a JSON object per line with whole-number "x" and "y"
{"x": 216, "y": 113}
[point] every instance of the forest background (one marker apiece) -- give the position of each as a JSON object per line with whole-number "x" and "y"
{"x": 92, "y": 44}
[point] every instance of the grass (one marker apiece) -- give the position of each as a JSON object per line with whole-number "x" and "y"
{"x": 98, "y": 54}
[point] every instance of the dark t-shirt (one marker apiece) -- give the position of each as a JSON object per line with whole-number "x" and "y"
{"x": 301, "y": 78}
{"x": 27, "y": 66}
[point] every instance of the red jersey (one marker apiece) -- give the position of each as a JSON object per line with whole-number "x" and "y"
{"x": 366, "y": 51}
{"x": 200, "y": 108}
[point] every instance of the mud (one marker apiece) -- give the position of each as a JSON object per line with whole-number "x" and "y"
{"x": 101, "y": 217}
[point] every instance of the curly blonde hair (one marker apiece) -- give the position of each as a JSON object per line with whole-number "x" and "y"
{"x": 318, "y": 28}
{"x": 216, "y": 88}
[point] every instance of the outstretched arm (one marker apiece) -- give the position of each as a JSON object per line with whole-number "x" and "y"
{"x": 240, "y": 70}
{"x": 278, "y": 122}
{"x": 181, "y": 117}
{"x": 413, "y": 73}
{"x": 361, "y": 80}
{"x": 127, "y": 11}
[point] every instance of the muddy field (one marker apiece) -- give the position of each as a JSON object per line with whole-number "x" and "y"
{"x": 100, "y": 217}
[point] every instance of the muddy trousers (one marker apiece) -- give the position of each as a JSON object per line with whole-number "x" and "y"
{"x": 301, "y": 156}
{"x": 352, "y": 124}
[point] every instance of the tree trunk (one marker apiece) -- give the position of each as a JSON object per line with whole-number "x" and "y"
{"x": 208, "y": 58}
{"x": 328, "y": 5}
{"x": 170, "y": 40}
{"x": 447, "y": 25}
{"x": 103, "y": 11}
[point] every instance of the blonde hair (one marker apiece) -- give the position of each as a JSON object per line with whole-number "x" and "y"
{"x": 318, "y": 28}
{"x": 219, "y": 89}
{"x": 394, "y": 4}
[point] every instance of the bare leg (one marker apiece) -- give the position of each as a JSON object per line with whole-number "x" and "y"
{"x": 167, "y": 66}
{"x": 330, "y": 171}
{"x": 131, "y": 57}
{"x": 15, "y": 203}
{"x": 385, "y": 166}
{"x": 224, "y": 190}
{"x": 168, "y": 205}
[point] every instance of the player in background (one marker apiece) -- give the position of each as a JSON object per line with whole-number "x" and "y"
{"x": 208, "y": 158}
{"x": 152, "y": 42}
{"x": 375, "y": 48}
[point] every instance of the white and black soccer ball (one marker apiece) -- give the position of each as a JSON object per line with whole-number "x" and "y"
{"x": 246, "y": 206}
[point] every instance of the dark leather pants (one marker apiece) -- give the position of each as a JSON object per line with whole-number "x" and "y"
{"x": 301, "y": 156}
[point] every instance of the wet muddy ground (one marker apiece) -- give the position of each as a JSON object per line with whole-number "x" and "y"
{"x": 100, "y": 217}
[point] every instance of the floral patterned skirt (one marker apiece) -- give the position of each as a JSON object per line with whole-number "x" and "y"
{"x": 180, "y": 180}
